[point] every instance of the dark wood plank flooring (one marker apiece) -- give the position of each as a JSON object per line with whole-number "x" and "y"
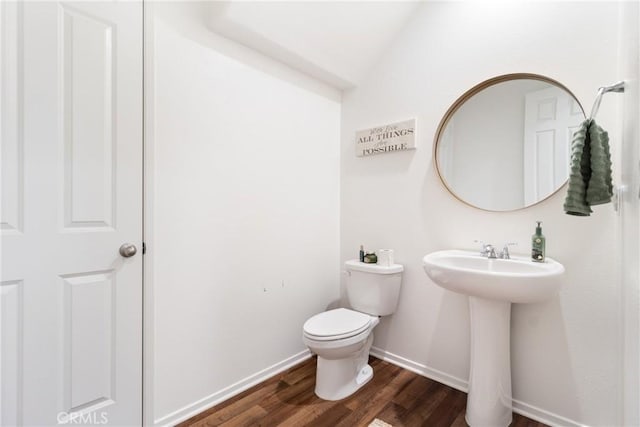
{"x": 394, "y": 395}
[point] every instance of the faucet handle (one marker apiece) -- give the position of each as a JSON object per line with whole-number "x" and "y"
{"x": 484, "y": 251}
{"x": 491, "y": 252}
{"x": 505, "y": 250}
{"x": 488, "y": 250}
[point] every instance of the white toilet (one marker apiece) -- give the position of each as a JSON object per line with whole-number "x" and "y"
{"x": 342, "y": 338}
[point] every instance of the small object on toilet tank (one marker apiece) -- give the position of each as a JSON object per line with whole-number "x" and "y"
{"x": 385, "y": 257}
{"x": 361, "y": 253}
{"x": 371, "y": 258}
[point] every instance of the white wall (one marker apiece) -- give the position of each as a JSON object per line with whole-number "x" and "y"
{"x": 244, "y": 191}
{"x": 566, "y": 363}
{"x": 630, "y": 208}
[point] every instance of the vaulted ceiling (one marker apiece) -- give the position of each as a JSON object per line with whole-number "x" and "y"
{"x": 333, "y": 41}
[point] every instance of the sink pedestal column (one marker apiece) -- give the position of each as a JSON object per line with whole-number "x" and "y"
{"x": 489, "y": 398}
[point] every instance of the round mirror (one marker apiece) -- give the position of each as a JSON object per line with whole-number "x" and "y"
{"x": 505, "y": 144}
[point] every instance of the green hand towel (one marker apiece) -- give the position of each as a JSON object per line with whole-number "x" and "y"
{"x": 590, "y": 180}
{"x": 600, "y": 188}
{"x": 579, "y": 174}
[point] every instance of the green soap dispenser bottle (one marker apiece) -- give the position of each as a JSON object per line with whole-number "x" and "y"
{"x": 537, "y": 244}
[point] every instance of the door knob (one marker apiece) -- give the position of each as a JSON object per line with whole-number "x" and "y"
{"x": 128, "y": 250}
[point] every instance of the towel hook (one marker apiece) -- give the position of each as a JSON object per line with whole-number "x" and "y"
{"x": 616, "y": 87}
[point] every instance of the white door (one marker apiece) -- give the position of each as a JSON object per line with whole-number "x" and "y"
{"x": 551, "y": 118}
{"x": 70, "y": 304}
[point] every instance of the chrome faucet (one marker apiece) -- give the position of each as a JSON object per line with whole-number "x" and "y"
{"x": 489, "y": 251}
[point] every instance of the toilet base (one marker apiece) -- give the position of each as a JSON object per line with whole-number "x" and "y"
{"x": 340, "y": 378}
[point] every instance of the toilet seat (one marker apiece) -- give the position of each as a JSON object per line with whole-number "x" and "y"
{"x": 336, "y": 324}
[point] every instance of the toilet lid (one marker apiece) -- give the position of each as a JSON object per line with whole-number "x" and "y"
{"x": 336, "y": 324}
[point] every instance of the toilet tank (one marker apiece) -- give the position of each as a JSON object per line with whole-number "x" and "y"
{"x": 373, "y": 289}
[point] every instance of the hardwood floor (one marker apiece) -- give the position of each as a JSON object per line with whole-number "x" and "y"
{"x": 394, "y": 395}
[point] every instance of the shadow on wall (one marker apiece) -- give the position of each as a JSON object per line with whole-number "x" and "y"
{"x": 451, "y": 337}
{"x": 535, "y": 329}
{"x": 333, "y": 305}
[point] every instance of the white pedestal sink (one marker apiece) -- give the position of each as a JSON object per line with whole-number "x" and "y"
{"x": 492, "y": 285}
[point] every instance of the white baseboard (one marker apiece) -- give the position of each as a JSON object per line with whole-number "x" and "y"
{"x": 419, "y": 368}
{"x": 519, "y": 407}
{"x": 226, "y": 393}
{"x": 543, "y": 416}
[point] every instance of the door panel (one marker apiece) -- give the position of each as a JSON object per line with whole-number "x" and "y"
{"x": 71, "y": 306}
{"x": 11, "y": 215}
{"x": 88, "y": 86}
{"x": 11, "y": 356}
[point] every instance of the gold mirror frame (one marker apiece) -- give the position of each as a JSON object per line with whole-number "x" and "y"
{"x": 464, "y": 98}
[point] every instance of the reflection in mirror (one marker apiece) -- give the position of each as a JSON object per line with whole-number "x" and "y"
{"x": 505, "y": 144}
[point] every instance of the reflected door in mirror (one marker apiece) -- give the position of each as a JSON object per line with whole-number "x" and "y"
{"x": 551, "y": 117}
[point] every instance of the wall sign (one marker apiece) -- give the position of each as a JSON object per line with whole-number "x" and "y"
{"x": 398, "y": 136}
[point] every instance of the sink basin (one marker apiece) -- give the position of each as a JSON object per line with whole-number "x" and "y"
{"x": 518, "y": 279}
{"x": 492, "y": 285}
